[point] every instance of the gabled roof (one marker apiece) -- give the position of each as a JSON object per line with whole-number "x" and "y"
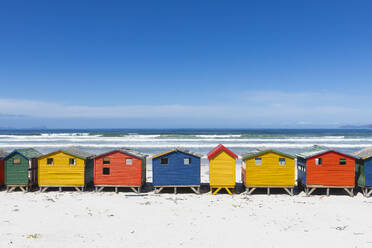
{"x": 73, "y": 151}
{"x": 177, "y": 149}
{"x": 313, "y": 151}
{"x": 318, "y": 150}
{"x": 27, "y": 153}
{"x": 261, "y": 151}
{"x": 364, "y": 153}
{"x": 3, "y": 153}
{"x": 126, "y": 151}
{"x": 220, "y": 148}
{"x": 30, "y": 152}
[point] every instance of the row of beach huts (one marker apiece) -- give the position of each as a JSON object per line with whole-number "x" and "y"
{"x": 319, "y": 167}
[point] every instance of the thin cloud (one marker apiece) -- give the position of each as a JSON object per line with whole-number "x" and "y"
{"x": 254, "y": 107}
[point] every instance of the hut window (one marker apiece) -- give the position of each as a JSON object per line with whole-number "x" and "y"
{"x": 187, "y": 161}
{"x": 342, "y": 161}
{"x": 129, "y": 161}
{"x": 16, "y": 161}
{"x": 106, "y": 171}
{"x": 318, "y": 161}
{"x": 281, "y": 161}
{"x": 106, "y": 160}
{"x": 164, "y": 161}
{"x": 72, "y": 161}
{"x": 49, "y": 161}
{"x": 258, "y": 161}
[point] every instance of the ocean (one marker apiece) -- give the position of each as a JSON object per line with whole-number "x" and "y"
{"x": 153, "y": 141}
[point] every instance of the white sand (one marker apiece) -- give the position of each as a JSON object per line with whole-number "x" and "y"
{"x": 89, "y": 219}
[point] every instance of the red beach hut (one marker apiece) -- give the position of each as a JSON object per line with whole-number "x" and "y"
{"x": 321, "y": 167}
{"x": 120, "y": 168}
{"x": 2, "y": 155}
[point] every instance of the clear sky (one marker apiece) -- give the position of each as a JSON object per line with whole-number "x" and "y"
{"x": 164, "y": 64}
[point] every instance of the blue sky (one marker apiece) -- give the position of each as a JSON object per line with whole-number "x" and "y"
{"x": 163, "y": 64}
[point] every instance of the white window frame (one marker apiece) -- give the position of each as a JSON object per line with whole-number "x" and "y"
{"x": 317, "y": 161}
{"x": 281, "y": 162}
{"x": 188, "y": 161}
{"x": 128, "y": 159}
{"x": 256, "y": 161}
{"x": 18, "y": 160}
{"x": 72, "y": 159}
{"x": 344, "y": 159}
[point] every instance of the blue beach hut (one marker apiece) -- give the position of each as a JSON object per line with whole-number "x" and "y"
{"x": 176, "y": 168}
{"x": 363, "y": 170}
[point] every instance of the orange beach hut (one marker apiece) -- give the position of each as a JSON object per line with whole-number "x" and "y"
{"x": 120, "y": 168}
{"x": 321, "y": 167}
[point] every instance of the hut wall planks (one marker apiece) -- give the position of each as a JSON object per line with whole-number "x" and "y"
{"x": 364, "y": 172}
{"x": 61, "y": 172}
{"x": 120, "y": 173}
{"x": 2, "y": 162}
{"x": 331, "y": 172}
{"x": 222, "y": 170}
{"x": 270, "y": 172}
{"x": 176, "y": 172}
{"x": 16, "y": 174}
{"x": 368, "y": 172}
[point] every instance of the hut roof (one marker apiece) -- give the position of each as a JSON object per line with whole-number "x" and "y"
{"x": 73, "y": 151}
{"x": 262, "y": 151}
{"x": 28, "y": 153}
{"x": 313, "y": 151}
{"x": 220, "y": 148}
{"x": 77, "y": 152}
{"x": 3, "y": 153}
{"x": 126, "y": 151}
{"x": 178, "y": 149}
{"x": 318, "y": 150}
{"x": 364, "y": 153}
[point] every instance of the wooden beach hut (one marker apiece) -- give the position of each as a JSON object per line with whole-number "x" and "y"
{"x": 2, "y": 155}
{"x": 120, "y": 168}
{"x": 364, "y": 170}
{"x": 176, "y": 168}
{"x": 222, "y": 164}
{"x": 321, "y": 167}
{"x": 267, "y": 168}
{"x": 20, "y": 169}
{"x": 68, "y": 167}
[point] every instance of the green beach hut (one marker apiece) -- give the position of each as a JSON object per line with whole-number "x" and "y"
{"x": 20, "y": 169}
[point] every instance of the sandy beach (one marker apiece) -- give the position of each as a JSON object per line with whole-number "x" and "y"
{"x": 88, "y": 219}
{"x": 107, "y": 219}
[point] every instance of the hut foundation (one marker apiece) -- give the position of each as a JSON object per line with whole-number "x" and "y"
{"x": 287, "y": 189}
{"x": 11, "y": 188}
{"x": 309, "y": 189}
{"x": 78, "y": 188}
{"x": 136, "y": 189}
{"x": 219, "y": 188}
{"x": 194, "y": 188}
{"x": 367, "y": 191}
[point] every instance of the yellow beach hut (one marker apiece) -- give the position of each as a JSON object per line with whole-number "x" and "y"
{"x": 69, "y": 167}
{"x": 222, "y": 163}
{"x": 267, "y": 168}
